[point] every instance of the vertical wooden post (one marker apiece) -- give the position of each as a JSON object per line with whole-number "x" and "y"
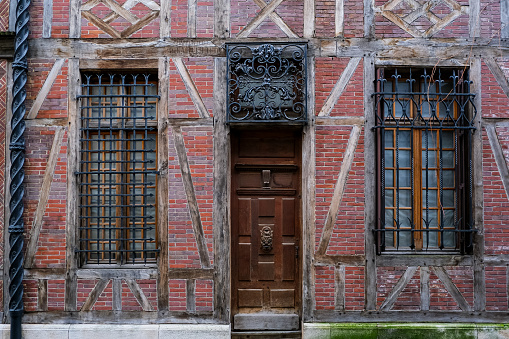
{"x": 221, "y": 198}
{"x": 504, "y": 19}
{"x": 165, "y": 19}
{"x": 369, "y": 19}
{"x": 339, "y": 287}
{"x": 308, "y": 199}
{"x": 222, "y": 19}
{"x": 309, "y": 18}
{"x": 73, "y": 160}
{"x": 477, "y": 182}
{"x": 340, "y": 18}
{"x": 163, "y": 293}
{"x": 370, "y": 184}
{"x": 75, "y": 19}
{"x": 474, "y": 20}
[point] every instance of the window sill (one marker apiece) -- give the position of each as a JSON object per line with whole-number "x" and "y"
{"x": 424, "y": 259}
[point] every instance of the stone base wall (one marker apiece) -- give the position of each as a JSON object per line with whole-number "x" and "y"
{"x": 406, "y": 331}
{"x": 95, "y": 331}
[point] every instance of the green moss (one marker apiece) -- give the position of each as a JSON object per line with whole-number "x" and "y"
{"x": 403, "y": 331}
{"x": 354, "y": 331}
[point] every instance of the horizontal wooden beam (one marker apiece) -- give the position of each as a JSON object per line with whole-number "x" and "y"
{"x": 393, "y": 51}
{"x": 102, "y": 273}
{"x": 119, "y": 317}
{"x": 438, "y": 260}
{"x": 334, "y": 260}
{"x": 409, "y": 316}
{"x": 6, "y": 45}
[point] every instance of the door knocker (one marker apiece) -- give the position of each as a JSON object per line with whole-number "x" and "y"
{"x": 266, "y": 238}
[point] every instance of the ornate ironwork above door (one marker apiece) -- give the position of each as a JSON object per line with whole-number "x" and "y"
{"x": 267, "y": 83}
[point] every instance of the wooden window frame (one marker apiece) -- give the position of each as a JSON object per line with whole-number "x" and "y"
{"x": 120, "y": 109}
{"x": 401, "y": 98}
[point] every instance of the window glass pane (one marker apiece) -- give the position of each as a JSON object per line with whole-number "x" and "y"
{"x": 449, "y": 239}
{"x": 405, "y": 218}
{"x": 448, "y": 159}
{"x": 389, "y": 239}
{"x": 404, "y": 138}
{"x": 389, "y": 218}
{"x": 405, "y": 198}
{"x": 431, "y": 179}
{"x": 429, "y": 158}
{"x": 405, "y": 238}
{"x": 448, "y": 178}
{"x": 429, "y": 196}
{"x": 449, "y": 218}
{"x": 430, "y": 218}
{"x": 448, "y": 198}
{"x": 405, "y": 178}
{"x": 389, "y": 178}
{"x": 430, "y": 239}
{"x": 404, "y": 158}
{"x": 389, "y": 160}
{"x": 447, "y": 139}
{"x": 388, "y": 139}
{"x": 429, "y": 139}
{"x": 389, "y": 198}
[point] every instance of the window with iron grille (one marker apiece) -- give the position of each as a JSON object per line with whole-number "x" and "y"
{"x": 267, "y": 83}
{"x": 118, "y": 172}
{"x": 424, "y": 126}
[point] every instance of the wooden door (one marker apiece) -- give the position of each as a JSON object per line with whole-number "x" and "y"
{"x": 266, "y": 229}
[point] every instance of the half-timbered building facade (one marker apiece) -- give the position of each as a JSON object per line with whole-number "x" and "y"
{"x": 236, "y": 168}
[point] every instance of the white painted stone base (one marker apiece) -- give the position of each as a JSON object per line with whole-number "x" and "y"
{"x": 96, "y": 331}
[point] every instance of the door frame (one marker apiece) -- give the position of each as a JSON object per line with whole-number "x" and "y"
{"x": 307, "y": 208}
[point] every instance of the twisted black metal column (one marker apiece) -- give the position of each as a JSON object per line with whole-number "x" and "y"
{"x": 17, "y": 174}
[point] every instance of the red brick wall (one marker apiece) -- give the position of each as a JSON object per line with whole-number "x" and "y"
{"x": 4, "y": 16}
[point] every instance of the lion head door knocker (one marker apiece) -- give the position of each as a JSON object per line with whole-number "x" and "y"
{"x": 266, "y": 238}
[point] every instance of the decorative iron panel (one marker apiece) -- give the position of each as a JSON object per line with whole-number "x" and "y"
{"x": 424, "y": 125}
{"x": 267, "y": 83}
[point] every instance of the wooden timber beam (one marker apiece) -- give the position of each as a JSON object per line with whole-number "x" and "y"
{"x": 404, "y": 51}
{"x": 7, "y": 45}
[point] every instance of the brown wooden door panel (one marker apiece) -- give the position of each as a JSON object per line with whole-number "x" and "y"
{"x": 266, "y": 224}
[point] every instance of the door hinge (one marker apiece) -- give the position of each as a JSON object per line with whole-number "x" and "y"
{"x": 297, "y": 251}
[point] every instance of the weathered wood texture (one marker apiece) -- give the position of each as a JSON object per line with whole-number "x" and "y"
{"x": 332, "y": 214}
{"x": 45, "y": 89}
{"x": 424, "y": 275}
{"x": 308, "y": 200}
{"x": 451, "y": 288}
{"x": 259, "y": 18}
{"x": 221, "y": 201}
{"x": 139, "y": 295}
{"x": 43, "y": 197}
{"x": 499, "y": 156}
{"x": 370, "y": 184}
{"x": 339, "y": 87}
{"x": 47, "y": 18}
{"x": 72, "y": 184}
{"x": 162, "y": 187}
{"x": 191, "y": 197}
{"x": 398, "y": 288}
{"x": 477, "y": 182}
{"x": 94, "y": 294}
{"x": 339, "y": 18}
{"x": 165, "y": 19}
{"x": 42, "y": 295}
{"x": 191, "y": 88}
{"x": 339, "y": 287}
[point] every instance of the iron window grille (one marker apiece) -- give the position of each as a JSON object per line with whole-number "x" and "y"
{"x": 424, "y": 127}
{"x": 267, "y": 83}
{"x": 117, "y": 186}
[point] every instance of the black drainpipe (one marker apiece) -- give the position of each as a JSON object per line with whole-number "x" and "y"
{"x": 17, "y": 174}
